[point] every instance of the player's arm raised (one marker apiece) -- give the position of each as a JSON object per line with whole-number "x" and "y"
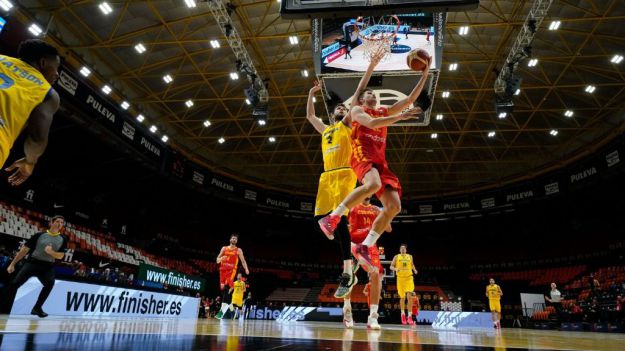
{"x": 242, "y": 258}
{"x": 359, "y": 115}
{"x": 364, "y": 81}
{"x": 310, "y": 110}
{"x": 405, "y": 102}
{"x": 38, "y": 129}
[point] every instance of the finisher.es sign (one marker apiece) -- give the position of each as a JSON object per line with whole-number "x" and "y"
{"x": 172, "y": 278}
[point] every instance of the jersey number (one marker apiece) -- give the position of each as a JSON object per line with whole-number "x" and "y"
{"x": 6, "y": 81}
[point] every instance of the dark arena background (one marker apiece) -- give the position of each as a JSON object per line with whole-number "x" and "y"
{"x": 183, "y": 122}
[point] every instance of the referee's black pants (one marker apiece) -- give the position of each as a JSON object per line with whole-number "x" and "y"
{"x": 43, "y": 271}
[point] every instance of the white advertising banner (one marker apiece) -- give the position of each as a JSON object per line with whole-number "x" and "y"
{"x": 80, "y": 299}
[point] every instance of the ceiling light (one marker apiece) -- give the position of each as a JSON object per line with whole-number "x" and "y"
{"x": 168, "y": 79}
{"x": 35, "y": 29}
{"x": 439, "y": 117}
{"x": 503, "y": 115}
{"x": 6, "y": 5}
{"x": 165, "y": 138}
{"x": 106, "y": 89}
{"x": 153, "y": 129}
{"x": 262, "y": 122}
{"x": 453, "y": 67}
{"x": 125, "y": 105}
{"x": 85, "y": 71}
{"x": 568, "y": 113}
{"x": 234, "y": 76}
{"x": 446, "y": 94}
{"x": 532, "y": 62}
{"x": 207, "y": 123}
{"x": 247, "y": 101}
{"x": 434, "y": 136}
{"x": 215, "y": 44}
{"x": 293, "y": 40}
{"x": 190, "y": 3}
{"x": 617, "y": 59}
{"x": 553, "y": 132}
{"x": 221, "y": 140}
{"x": 464, "y": 30}
{"x": 140, "y": 48}
{"x": 491, "y": 134}
{"x": 590, "y": 89}
{"x": 304, "y": 73}
{"x": 554, "y": 25}
{"x": 517, "y": 92}
{"x": 272, "y": 139}
{"x": 140, "y": 118}
{"x": 105, "y": 8}
{"x": 189, "y": 103}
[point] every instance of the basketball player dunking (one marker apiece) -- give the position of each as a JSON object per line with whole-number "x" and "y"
{"x": 228, "y": 260}
{"x": 361, "y": 218}
{"x": 27, "y": 99}
{"x": 338, "y": 178}
{"x": 369, "y": 124}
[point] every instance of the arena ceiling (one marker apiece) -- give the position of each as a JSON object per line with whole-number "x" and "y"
{"x": 462, "y": 158}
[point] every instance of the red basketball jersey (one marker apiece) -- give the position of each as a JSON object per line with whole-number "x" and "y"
{"x": 361, "y": 219}
{"x": 369, "y": 145}
{"x": 230, "y": 258}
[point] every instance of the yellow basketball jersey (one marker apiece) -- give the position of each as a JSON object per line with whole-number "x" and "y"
{"x": 403, "y": 264}
{"x": 22, "y": 88}
{"x": 493, "y": 292}
{"x": 237, "y": 294}
{"x": 336, "y": 145}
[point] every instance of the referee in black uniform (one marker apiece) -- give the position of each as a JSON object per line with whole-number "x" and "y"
{"x": 42, "y": 250}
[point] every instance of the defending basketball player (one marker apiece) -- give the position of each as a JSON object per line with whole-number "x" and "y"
{"x": 361, "y": 218}
{"x": 338, "y": 178}
{"x": 228, "y": 260}
{"x": 27, "y": 99}
{"x": 494, "y": 294}
{"x": 237, "y": 292}
{"x": 369, "y": 130}
{"x": 404, "y": 268}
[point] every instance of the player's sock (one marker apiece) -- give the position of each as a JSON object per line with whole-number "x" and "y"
{"x": 409, "y": 314}
{"x": 373, "y": 310}
{"x": 371, "y": 238}
{"x": 339, "y": 210}
{"x": 224, "y": 307}
{"x": 347, "y": 304}
{"x": 347, "y": 266}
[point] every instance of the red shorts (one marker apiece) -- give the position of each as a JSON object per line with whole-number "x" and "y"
{"x": 387, "y": 177}
{"x": 226, "y": 278}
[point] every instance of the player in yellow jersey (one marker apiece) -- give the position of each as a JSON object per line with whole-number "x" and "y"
{"x": 404, "y": 268}
{"x": 237, "y": 291}
{"x": 338, "y": 179}
{"x": 494, "y": 294}
{"x": 27, "y": 100}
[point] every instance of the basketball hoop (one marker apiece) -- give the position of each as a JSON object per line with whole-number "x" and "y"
{"x": 377, "y": 34}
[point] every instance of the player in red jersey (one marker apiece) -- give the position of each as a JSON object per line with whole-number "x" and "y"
{"x": 228, "y": 260}
{"x": 369, "y": 124}
{"x": 361, "y": 218}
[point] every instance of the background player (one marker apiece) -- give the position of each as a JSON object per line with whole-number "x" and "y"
{"x": 237, "y": 292}
{"x": 27, "y": 99}
{"x": 369, "y": 124}
{"x": 403, "y": 265}
{"x": 228, "y": 260}
{"x": 494, "y": 294}
{"x": 338, "y": 178}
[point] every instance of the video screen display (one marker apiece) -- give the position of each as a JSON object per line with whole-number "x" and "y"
{"x": 343, "y": 49}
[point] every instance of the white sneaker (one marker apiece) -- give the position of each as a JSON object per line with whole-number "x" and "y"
{"x": 372, "y": 322}
{"x": 348, "y": 319}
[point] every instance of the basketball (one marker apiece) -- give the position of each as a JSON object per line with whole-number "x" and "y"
{"x": 417, "y": 60}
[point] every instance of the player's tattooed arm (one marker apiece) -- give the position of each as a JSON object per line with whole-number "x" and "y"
{"x": 316, "y": 122}
{"x": 242, "y": 258}
{"x": 220, "y": 256}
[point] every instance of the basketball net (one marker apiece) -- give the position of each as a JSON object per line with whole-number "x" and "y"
{"x": 377, "y": 33}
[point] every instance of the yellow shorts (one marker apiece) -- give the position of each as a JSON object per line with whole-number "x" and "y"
{"x": 495, "y": 306}
{"x": 404, "y": 285}
{"x": 237, "y": 301}
{"x": 334, "y": 186}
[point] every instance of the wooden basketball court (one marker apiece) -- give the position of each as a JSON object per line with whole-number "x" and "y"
{"x": 55, "y": 333}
